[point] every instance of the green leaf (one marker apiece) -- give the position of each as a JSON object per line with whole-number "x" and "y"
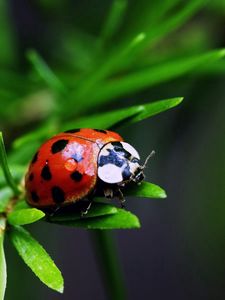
{"x": 17, "y": 173}
{"x": 172, "y": 18}
{"x": 25, "y": 216}
{"x": 124, "y": 116}
{"x": 47, "y": 129}
{"x": 106, "y": 120}
{"x": 122, "y": 56}
{"x": 21, "y": 204}
{"x": 154, "y": 108}
{"x": 5, "y": 195}
{"x": 113, "y": 20}
{"x": 121, "y": 220}
{"x": 45, "y": 72}
{"x": 23, "y": 155}
{"x": 36, "y": 258}
{"x": 152, "y": 76}
{"x": 146, "y": 190}
{"x": 4, "y": 163}
{"x": 96, "y": 210}
{"x": 3, "y": 275}
{"x": 148, "y": 14}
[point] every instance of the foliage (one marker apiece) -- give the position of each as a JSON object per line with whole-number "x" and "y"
{"x": 70, "y": 94}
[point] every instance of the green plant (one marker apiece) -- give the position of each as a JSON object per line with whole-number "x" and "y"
{"x": 15, "y": 212}
{"x": 67, "y": 97}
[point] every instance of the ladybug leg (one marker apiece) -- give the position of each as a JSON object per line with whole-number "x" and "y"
{"x": 85, "y": 212}
{"x": 90, "y": 201}
{"x": 108, "y": 193}
{"x": 51, "y": 212}
{"x": 54, "y": 210}
{"x": 115, "y": 192}
{"x": 121, "y": 198}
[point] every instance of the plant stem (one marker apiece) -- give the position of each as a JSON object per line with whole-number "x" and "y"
{"x": 5, "y": 167}
{"x": 2, "y": 259}
{"x": 109, "y": 262}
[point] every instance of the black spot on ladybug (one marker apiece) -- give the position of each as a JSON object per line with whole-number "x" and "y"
{"x": 118, "y": 147}
{"x": 77, "y": 157}
{"x": 35, "y": 158}
{"x": 76, "y": 176}
{"x": 58, "y": 194}
{"x": 46, "y": 173}
{"x": 126, "y": 154}
{"x": 112, "y": 158}
{"x": 31, "y": 176}
{"x": 59, "y": 146}
{"x": 100, "y": 130}
{"x": 35, "y": 196}
{"x": 72, "y": 130}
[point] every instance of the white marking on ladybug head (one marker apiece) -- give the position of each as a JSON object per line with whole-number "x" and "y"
{"x": 130, "y": 149}
{"x": 110, "y": 173}
{"x": 133, "y": 167}
{"x": 105, "y": 149}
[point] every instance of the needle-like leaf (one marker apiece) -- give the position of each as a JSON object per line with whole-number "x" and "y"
{"x": 25, "y": 216}
{"x": 4, "y": 163}
{"x": 124, "y": 116}
{"x": 36, "y": 258}
{"x": 121, "y": 220}
{"x": 146, "y": 190}
{"x": 96, "y": 210}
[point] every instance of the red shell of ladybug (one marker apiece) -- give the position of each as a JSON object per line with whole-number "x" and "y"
{"x": 64, "y": 169}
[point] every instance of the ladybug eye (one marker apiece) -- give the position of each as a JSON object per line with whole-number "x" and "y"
{"x": 139, "y": 177}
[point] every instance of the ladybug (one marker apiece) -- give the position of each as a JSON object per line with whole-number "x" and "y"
{"x": 79, "y": 164}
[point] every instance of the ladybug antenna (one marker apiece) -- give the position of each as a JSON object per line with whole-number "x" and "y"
{"x": 147, "y": 159}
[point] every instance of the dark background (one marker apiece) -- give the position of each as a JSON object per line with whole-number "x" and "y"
{"x": 179, "y": 251}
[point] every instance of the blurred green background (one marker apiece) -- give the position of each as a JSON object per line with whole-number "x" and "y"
{"x": 61, "y": 60}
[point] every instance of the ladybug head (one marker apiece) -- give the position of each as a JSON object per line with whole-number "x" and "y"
{"x": 119, "y": 163}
